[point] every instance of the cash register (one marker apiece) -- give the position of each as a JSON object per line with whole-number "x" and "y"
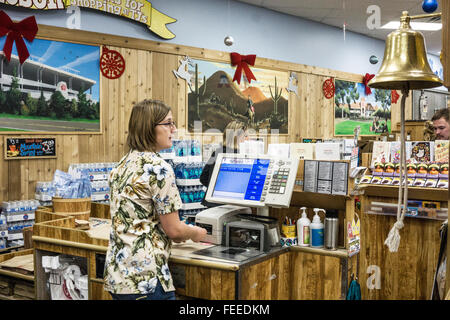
{"x": 240, "y": 182}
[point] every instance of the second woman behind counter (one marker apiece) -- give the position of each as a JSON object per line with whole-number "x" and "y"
{"x": 234, "y": 133}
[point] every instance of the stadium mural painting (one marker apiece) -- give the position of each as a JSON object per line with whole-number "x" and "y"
{"x": 55, "y": 90}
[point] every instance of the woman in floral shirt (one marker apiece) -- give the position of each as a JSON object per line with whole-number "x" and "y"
{"x": 144, "y": 210}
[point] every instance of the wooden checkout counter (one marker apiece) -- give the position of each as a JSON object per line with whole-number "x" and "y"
{"x": 293, "y": 273}
{"x": 282, "y": 273}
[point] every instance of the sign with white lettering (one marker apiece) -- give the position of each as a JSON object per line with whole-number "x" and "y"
{"x": 137, "y": 10}
{"x": 29, "y": 148}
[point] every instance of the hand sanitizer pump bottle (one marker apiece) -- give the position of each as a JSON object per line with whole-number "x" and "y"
{"x": 316, "y": 230}
{"x": 303, "y": 234}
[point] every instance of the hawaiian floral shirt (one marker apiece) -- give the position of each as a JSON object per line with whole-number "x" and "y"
{"x": 142, "y": 188}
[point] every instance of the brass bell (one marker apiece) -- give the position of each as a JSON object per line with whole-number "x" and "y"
{"x": 405, "y": 64}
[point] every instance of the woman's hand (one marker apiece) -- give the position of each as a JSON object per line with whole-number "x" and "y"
{"x": 200, "y": 234}
{"x": 179, "y": 231}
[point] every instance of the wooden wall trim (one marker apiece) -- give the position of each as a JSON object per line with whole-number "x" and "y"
{"x": 95, "y": 38}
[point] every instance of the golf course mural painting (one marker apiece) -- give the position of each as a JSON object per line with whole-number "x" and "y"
{"x": 352, "y": 108}
{"x": 56, "y": 89}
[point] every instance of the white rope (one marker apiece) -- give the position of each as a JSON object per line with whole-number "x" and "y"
{"x": 393, "y": 238}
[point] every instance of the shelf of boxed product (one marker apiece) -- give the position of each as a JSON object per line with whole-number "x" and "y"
{"x": 426, "y": 167}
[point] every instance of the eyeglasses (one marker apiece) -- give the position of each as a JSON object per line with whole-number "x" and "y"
{"x": 170, "y": 124}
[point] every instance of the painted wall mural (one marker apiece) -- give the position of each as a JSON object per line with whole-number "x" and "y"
{"x": 215, "y": 100}
{"x": 57, "y": 89}
{"x": 354, "y": 108}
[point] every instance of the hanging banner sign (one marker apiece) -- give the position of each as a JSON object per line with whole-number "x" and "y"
{"x": 137, "y": 10}
{"x": 30, "y": 148}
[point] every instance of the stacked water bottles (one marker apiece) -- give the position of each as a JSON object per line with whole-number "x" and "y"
{"x": 18, "y": 215}
{"x": 187, "y": 150}
{"x": 44, "y": 192}
{"x": 190, "y": 188}
{"x": 3, "y": 230}
{"x": 186, "y": 160}
{"x": 98, "y": 174}
{"x": 169, "y": 153}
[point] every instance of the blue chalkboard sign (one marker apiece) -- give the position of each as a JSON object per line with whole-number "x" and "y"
{"x": 30, "y": 148}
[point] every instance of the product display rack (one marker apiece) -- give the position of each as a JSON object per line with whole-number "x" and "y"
{"x": 419, "y": 238}
{"x": 185, "y": 157}
{"x": 191, "y": 190}
{"x": 336, "y": 265}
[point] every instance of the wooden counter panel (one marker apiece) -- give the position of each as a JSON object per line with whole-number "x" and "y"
{"x": 406, "y": 274}
{"x": 99, "y": 210}
{"x": 96, "y": 291}
{"x": 207, "y": 283}
{"x": 315, "y": 277}
{"x": 268, "y": 280}
{"x": 61, "y": 249}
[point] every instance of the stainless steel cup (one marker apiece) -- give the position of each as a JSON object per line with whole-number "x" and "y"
{"x": 331, "y": 233}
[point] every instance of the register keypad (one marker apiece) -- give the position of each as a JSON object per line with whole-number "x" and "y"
{"x": 279, "y": 180}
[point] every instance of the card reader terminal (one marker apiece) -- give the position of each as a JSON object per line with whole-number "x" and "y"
{"x": 214, "y": 219}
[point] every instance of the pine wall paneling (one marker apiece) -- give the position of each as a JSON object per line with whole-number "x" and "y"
{"x": 148, "y": 74}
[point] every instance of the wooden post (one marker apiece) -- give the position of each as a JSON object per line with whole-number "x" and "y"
{"x": 445, "y": 60}
{"x": 445, "y": 53}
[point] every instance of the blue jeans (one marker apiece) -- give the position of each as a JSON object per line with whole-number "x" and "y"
{"x": 159, "y": 294}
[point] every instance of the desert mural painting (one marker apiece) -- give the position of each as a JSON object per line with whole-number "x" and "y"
{"x": 354, "y": 108}
{"x": 216, "y": 100}
{"x": 55, "y": 90}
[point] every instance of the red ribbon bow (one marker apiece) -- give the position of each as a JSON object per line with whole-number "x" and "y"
{"x": 242, "y": 62}
{"x": 394, "y": 96}
{"x": 366, "y": 80}
{"x": 26, "y": 28}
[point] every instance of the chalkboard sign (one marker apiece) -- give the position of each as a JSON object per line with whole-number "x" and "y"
{"x": 30, "y": 148}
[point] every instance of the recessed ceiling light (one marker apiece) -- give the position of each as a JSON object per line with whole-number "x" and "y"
{"x": 425, "y": 26}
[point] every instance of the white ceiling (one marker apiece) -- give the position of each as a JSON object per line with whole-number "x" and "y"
{"x": 354, "y": 14}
